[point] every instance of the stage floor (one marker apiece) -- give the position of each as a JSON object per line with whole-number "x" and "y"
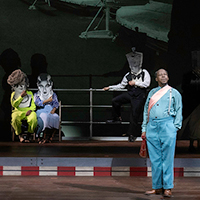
{"x": 92, "y": 188}
{"x": 89, "y": 148}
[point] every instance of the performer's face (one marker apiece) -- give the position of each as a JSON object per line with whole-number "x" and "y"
{"x": 45, "y": 89}
{"x": 162, "y": 77}
{"x": 19, "y": 88}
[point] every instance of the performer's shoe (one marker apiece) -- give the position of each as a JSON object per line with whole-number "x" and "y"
{"x": 114, "y": 121}
{"x": 22, "y": 140}
{"x": 167, "y": 193}
{"x": 154, "y": 191}
{"x": 131, "y": 138}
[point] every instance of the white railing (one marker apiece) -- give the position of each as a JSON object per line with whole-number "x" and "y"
{"x": 90, "y": 106}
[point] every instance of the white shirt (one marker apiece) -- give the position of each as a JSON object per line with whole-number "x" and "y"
{"x": 138, "y": 82}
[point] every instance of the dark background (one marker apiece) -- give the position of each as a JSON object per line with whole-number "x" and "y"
{"x": 55, "y": 33}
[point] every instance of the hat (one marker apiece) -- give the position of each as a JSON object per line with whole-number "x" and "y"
{"x": 16, "y": 77}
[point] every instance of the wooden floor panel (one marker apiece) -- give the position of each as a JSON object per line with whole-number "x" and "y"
{"x": 91, "y": 188}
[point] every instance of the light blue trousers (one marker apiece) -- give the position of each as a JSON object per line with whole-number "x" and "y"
{"x": 161, "y": 140}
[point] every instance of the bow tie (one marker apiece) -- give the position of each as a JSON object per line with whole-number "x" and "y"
{"x": 133, "y": 76}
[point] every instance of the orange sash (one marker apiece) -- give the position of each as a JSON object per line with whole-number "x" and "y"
{"x": 157, "y": 96}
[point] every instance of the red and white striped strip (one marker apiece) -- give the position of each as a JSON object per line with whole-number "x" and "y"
{"x": 91, "y": 171}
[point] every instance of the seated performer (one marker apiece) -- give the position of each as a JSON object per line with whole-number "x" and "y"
{"x": 137, "y": 80}
{"x": 23, "y": 103}
{"x": 47, "y": 102}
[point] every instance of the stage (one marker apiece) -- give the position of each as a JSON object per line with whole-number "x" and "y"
{"x": 89, "y": 170}
{"x": 85, "y": 148}
{"x": 88, "y": 158}
{"x": 92, "y": 188}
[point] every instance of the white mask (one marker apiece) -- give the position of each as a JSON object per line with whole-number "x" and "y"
{"x": 45, "y": 90}
{"x": 19, "y": 88}
{"x": 135, "y": 61}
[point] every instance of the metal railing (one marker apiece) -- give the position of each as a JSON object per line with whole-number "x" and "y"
{"x": 90, "y": 106}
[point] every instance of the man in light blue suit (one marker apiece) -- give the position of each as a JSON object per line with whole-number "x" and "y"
{"x": 162, "y": 118}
